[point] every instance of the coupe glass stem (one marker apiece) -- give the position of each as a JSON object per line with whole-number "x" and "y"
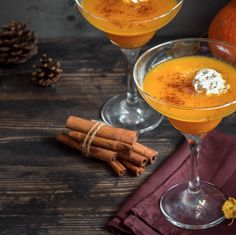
{"x": 193, "y": 205}
{"x": 195, "y": 147}
{"x": 129, "y": 110}
{"x": 131, "y": 56}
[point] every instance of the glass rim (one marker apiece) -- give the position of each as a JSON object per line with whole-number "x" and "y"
{"x": 130, "y": 21}
{"x": 206, "y": 40}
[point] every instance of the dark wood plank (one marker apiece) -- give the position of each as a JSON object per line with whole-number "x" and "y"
{"x": 46, "y": 188}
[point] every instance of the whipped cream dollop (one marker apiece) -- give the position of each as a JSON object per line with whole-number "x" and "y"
{"x": 210, "y": 81}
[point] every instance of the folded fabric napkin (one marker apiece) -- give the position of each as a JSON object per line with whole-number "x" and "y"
{"x": 141, "y": 214}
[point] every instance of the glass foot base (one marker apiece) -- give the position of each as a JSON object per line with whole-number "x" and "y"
{"x": 193, "y": 211}
{"x": 139, "y": 116}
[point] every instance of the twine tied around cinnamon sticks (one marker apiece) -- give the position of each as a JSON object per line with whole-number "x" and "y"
{"x": 116, "y": 146}
{"x": 89, "y": 138}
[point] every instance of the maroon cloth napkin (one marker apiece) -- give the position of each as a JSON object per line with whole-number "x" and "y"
{"x": 141, "y": 214}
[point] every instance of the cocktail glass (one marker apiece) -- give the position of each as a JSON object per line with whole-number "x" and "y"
{"x": 195, "y": 204}
{"x": 129, "y": 33}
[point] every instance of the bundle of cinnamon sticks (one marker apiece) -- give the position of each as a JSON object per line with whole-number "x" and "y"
{"x": 116, "y": 146}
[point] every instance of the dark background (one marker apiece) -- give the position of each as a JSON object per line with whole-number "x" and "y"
{"x": 60, "y": 18}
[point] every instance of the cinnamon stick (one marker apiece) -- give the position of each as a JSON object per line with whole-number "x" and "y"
{"x": 136, "y": 170}
{"x": 117, "y": 167}
{"x": 108, "y": 132}
{"x": 133, "y": 157}
{"x": 95, "y": 152}
{"x": 101, "y": 142}
{"x": 145, "y": 151}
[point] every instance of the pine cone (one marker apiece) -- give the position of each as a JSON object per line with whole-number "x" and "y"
{"x": 47, "y": 72}
{"x": 17, "y": 43}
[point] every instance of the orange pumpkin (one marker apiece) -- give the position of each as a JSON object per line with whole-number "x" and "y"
{"x": 223, "y": 26}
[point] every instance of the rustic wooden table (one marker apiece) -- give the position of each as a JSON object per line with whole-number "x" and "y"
{"x": 46, "y": 188}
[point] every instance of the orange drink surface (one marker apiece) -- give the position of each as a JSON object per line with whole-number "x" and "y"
{"x": 129, "y": 23}
{"x": 169, "y": 89}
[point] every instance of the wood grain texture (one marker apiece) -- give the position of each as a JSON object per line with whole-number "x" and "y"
{"x": 47, "y": 188}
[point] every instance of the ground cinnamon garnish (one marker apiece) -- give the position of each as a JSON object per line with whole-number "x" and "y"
{"x": 172, "y": 99}
{"x": 143, "y": 10}
{"x": 182, "y": 84}
{"x": 178, "y": 84}
{"x": 111, "y": 8}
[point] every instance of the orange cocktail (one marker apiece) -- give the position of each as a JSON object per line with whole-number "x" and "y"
{"x": 171, "y": 83}
{"x": 195, "y": 87}
{"x": 130, "y": 23}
